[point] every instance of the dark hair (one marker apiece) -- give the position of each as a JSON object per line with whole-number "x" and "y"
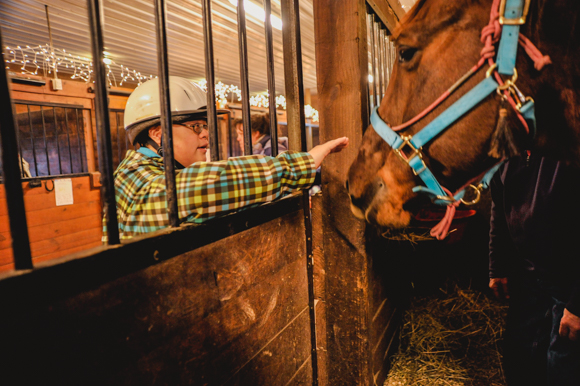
{"x": 261, "y": 123}
{"x": 258, "y": 122}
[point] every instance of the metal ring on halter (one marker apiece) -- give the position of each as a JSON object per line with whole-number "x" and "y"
{"x": 490, "y": 70}
{"x": 510, "y": 82}
{"x": 477, "y": 190}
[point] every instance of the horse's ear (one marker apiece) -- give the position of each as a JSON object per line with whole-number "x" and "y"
{"x": 503, "y": 143}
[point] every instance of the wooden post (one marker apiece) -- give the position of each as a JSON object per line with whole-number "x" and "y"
{"x": 360, "y": 321}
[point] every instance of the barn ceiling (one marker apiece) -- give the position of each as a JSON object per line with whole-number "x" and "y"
{"x": 130, "y": 36}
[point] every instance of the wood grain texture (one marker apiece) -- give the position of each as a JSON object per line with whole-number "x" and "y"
{"x": 54, "y": 230}
{"x": 234, "y": 312}
{"x": 355, "y": 289}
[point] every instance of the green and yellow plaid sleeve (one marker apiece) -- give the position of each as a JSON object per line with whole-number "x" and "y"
{"x": 204, "y": 190}
{"x": 207, "y": 190}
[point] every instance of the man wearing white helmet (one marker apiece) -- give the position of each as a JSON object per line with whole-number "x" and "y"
{"x": 205, "y": 190}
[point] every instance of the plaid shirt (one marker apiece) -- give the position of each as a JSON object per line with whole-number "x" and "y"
{"x": 204, "y": 190}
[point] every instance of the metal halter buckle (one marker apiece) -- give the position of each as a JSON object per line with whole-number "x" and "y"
{"x": 414, "y": 152}
{"x": 510, "y": 85}
{"x": 507, "y": 21}
{"x": 477, "y": 189}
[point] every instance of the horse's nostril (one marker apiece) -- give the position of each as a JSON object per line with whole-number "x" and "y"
{"x": 347, "y": 187}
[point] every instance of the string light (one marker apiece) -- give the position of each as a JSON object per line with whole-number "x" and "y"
{"x": 49, "y": 61}
{"x": 34, "y": 59}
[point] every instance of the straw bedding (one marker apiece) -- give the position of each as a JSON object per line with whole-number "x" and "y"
{"x": 450, "y": 338}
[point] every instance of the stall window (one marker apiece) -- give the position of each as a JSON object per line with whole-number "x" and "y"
{"x": 51, "y": 138}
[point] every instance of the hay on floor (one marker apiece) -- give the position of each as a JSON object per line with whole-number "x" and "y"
{"x": 451, "y": 338}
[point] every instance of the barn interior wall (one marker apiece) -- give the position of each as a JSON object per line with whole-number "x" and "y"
{"x": 233, "y": 312}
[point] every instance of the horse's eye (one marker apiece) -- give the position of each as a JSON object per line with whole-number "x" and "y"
{"x": 406, "y": 54}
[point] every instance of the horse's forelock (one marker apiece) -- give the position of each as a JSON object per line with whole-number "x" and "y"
{"x": 415, "y": 11}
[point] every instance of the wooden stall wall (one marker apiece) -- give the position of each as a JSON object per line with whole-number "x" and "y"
{"x": 233, "y": 312}
{"x": 54, "y": 230}
{"x": 361, "y": 317}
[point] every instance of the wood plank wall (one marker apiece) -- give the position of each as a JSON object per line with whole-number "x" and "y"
{"x": 361, "y": 318}
{"x": 234, "y": 312}
{"x": 54, "y": 231}
{"x": 57, "y": 231}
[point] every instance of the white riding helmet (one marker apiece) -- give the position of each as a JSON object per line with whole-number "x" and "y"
{"x": 143, "y": 110}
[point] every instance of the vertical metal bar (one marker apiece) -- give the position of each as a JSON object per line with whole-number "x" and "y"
{"x": 81, "y": 143}
{"x": 271, "y": 79}
{"x": 297, "y": 137}
{"x": 32, "y": 141}
{"x": 293, "y": 75}
{"x": 20, "y": 156}
{"x": 68, "y": 140}
{"x": 210, "y": 78}
{"x": 245, "y": 88}
{"x": 57, "y": 140}
{"x": 373, "y": 59}
{"x": 118, "y": 138}
{"x": 371, "y": 105}
{"x": 165, "y": 102}
{"x": 381, "y": 63}
{"x": 102, "y": 119}
{"x": 11, "y": 174}
{"x": 45, "y": 141}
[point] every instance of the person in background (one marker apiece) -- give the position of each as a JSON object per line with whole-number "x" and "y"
{"x": 261, "y": 139}
{"x": 535, "y": 265}
{"x": 205, "y": 190}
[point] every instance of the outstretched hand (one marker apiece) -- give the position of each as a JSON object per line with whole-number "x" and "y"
{"x": 320, "y": 152}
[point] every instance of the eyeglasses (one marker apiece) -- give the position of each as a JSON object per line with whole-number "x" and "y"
{"x": 196, "y": 127}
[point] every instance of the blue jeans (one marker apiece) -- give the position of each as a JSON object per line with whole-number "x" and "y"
{"x": 534, "y": 352}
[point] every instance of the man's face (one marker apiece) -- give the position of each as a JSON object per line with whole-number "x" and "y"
{"x": 189, "y": 146}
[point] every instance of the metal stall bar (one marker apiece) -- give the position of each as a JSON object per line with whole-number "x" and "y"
{"x": 245, "y": 87}
{"x": 381, "y": 63}
{"x": 293, "y": 75}
{"x": 45, "y": 141}
{"x": 165, "y": 102}
{"x": 11, "y": 177}
{"x": 119, "y": 152}
{"x": 79, "y": 140}
{"x": 376, "y": 100}
{"x": 68, "y": 139}
{"x": 21, "y": 156}
{"x": 57, "y": 140}
{"x": 102, "y": 119}
{"x": 297, "y": 137}
{"x": 32, "y": 141}
{"x": 271, "y": 79}
{"x": 210, "y": 78}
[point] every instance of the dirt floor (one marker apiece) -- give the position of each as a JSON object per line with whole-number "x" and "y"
{"x": 452, "y": 337}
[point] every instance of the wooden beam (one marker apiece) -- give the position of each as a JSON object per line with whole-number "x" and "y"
{"x": 360, "y": 321}
{"x": 397, "y": 7}
{"x": 385, "y": 13}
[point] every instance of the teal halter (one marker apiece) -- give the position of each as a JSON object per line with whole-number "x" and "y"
{"x": 513, "y": 14}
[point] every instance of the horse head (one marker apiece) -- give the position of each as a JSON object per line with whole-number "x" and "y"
{"x": 437, "y": 42}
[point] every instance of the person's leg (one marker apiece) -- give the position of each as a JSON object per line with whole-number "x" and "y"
{"x": 563, "y": 354}
{"x": 527, "y": 333}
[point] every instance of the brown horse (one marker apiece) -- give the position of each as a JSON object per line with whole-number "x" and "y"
{"x": 437, "y": 42}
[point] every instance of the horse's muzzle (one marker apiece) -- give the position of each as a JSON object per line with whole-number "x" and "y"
{"x": 361, "y": 204}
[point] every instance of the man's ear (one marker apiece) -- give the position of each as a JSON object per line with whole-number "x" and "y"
{"x": 155, "y": 134}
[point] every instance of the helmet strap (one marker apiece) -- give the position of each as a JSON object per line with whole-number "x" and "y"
{"x": 159, "y": 150}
